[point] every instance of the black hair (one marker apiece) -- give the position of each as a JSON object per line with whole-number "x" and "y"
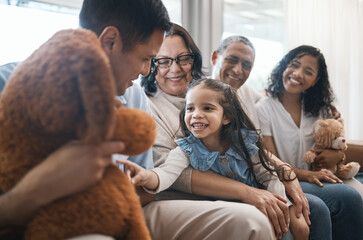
{"x": 318, "y": 98}
{"x": 234, "y": 112}
{"x": 136, "y": 20}
{"x": 149, "y": 82}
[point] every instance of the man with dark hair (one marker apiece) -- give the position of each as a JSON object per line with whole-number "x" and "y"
{"x": 130, "y": 32}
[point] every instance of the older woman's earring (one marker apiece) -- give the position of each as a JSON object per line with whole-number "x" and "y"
{"x": 152, "y": 69}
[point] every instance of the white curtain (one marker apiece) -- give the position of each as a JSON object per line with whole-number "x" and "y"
{"x": 336, "y": 28}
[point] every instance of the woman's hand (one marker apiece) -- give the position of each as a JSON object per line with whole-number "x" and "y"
{"x": 272, "y": 205}
{"x": 327, "y": 158}
{"x": 336, "y": 114}
{"x": 293, "y": 189}
{"x": 139, "y": 175}
{"x": 318, "y": 176}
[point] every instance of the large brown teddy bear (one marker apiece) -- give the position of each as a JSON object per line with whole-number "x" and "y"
{"x": 64, "y": 91}
{"x": 329, "y": 134}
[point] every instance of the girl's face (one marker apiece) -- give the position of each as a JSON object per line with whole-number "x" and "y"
{"x": 204, "y": 116}
{"x": 300, "y": 74}
{"x": 175, "y": 79}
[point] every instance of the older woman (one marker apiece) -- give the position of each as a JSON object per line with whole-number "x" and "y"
{"x": 177, "y": 63}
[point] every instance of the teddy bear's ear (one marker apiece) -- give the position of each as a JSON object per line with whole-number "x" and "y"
{"x": 316, "y": 128}
{"x": 317, "y": 125}
{"x": 97, "y": 90}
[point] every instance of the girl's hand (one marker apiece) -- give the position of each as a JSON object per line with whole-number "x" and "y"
{"x": 139, "y": 175}
{"x": 273, "y": 206}
{"x": 318, "y": 176}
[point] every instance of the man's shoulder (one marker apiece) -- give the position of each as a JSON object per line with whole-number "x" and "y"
{"x": 134, "y": 90}
{"x": 246, "y": 92}
{"x": 134, "y": 97}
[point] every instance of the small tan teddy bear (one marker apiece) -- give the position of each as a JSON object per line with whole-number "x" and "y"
{"x": 329, "y": 134}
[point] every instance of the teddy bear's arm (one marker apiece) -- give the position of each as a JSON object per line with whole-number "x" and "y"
{"x": 309, "y": 156}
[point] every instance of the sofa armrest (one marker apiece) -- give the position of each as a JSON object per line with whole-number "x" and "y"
{"x": 354, "y": 152}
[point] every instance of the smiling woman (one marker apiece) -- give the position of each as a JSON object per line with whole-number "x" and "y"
{"x": 176, "y": 64}
{"x": 174, "y": 78}
{"x": 300, "y": 94}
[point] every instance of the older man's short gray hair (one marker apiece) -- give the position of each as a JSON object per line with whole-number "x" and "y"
{"x": 224, "y": 44}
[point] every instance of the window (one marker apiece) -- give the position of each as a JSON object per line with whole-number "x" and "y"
{"x": 261, "y": 21}
{"x": 174, "y": 9}
{"x": 25, "y": 25}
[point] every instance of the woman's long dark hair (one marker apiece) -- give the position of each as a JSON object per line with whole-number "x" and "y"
{"x": 318, "y": 98}
{"x": 233, "y": 111}
{"x": 149, "y": 82}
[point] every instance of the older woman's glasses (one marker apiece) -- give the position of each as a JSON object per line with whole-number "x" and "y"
{"x": 182, "y": 60}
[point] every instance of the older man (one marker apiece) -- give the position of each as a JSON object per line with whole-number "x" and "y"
{"x": 232, "y": 63}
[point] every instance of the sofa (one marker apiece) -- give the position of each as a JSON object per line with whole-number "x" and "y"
{"x": 355, "y": 153}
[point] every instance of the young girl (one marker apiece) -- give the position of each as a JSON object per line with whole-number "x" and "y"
{"x": 299, "y": 94}
{"x": 219, "y": 137}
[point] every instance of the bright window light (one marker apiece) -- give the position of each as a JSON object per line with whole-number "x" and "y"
{"x": 25, "y": 29}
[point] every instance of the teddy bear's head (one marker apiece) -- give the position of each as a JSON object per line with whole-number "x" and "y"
{"x": 329, "y": 133}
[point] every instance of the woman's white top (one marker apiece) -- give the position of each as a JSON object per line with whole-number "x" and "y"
{"x": 291, "y": 141}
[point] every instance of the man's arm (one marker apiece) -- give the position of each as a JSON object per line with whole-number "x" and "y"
{"x": 72, "y": 168}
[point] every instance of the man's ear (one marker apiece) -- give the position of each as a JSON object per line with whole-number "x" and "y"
{"x": 214, "y": 57}
{"x": 109, "y": 37}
